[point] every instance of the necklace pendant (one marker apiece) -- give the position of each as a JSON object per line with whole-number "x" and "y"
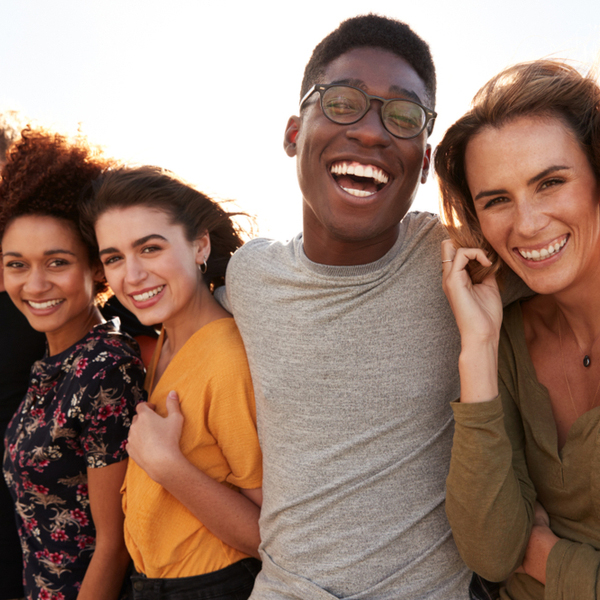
{"x": 587, "y": 361}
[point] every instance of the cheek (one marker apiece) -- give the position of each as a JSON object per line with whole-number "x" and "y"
{"x": 495, "y": 233}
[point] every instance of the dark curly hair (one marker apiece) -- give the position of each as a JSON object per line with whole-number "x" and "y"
{"x": 160, "y": 189}
{"x": 11, "y": 124}
{"x": 372, "y": 31}
{"x": 543, "y": 88}
{"x": 46, "y": 174}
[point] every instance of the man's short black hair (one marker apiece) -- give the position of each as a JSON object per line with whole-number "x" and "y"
{"x": 372, "y": 31}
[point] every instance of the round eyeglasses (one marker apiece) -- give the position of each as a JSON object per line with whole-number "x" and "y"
{"x": 346, "y": 104}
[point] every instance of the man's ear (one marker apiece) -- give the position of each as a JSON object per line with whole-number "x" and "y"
{"x": 292, "y": 130}
{"x": 426, "y": 164}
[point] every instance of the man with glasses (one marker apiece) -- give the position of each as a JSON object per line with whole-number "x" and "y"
{"x": 351, "y": 343}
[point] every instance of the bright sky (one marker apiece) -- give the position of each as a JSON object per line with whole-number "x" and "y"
{"x": 206, "y": 88}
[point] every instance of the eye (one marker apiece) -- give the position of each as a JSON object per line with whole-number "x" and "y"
{"x": 58, "y": 262}
{"x": 495, "y": 202}
{"x": 14, "y": 264}
{"x": 111, "y": 260}
{"x": 150, "y": 249}
{"x": 552, "y": 182}
{"x": 341, "y": 106}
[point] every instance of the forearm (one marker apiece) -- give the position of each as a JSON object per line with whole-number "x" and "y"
{"x": 105, "y": 573}
{"x": 489, "y": 498}
{"x": 225, "y": 512}
{"x": 478, "y": 370}
{"x": 541, "y": 542}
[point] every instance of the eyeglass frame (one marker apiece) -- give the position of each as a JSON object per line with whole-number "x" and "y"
{"x": 430, "y": 115}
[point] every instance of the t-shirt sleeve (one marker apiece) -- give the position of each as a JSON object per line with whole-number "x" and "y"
{"x": 223, "y": 298}
{"x": 232, "y": 422}
{"x": 112, "y": 396}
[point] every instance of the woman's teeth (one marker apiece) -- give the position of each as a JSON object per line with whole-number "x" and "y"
{"x": 536, "y": 255}
{"x": 43, "y": 305}
{"x": 148, "y": 295}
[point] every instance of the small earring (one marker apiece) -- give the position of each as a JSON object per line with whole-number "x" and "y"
{"x": 203, "y": 267}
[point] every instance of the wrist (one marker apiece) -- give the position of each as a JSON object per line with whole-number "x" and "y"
{"x": 164, "y": 466}
{"x": 478, "y": 369}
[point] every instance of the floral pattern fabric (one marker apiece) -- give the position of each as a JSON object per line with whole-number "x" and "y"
{"x": 76, "y": 415}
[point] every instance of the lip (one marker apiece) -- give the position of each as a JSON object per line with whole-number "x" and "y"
{"x": 148, "y": 302}
{"x": 542, "y": 262}
{"x": 43, "y": 309}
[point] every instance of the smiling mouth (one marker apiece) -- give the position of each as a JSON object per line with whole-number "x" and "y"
{"x": 359, "y": 179}
{"x": 543, "y": 253}
{"x": 43, "y": 305}
{"x": 148, "y": 295}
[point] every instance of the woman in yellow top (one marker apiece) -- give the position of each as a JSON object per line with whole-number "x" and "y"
{"x": 193, "y": 489}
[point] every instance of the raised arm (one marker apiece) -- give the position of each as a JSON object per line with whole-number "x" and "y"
{"x": 489, "y": 495}
{"x": 477, "y": 309}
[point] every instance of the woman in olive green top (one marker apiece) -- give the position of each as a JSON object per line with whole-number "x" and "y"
{"x": 519, "y": 175}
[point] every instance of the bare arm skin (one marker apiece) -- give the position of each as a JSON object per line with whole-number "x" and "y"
{"x": 154, "y": 445}
{"x": 106, "y": 571}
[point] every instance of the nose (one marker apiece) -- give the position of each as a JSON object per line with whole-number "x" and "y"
{"x": 529, "y": 218}
{"x": 37, "y": 283}
{"x": 134, "y": 271}
{"x": 370, "y": 131}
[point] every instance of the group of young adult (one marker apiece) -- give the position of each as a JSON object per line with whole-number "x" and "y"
{"x": 344, "y": 339}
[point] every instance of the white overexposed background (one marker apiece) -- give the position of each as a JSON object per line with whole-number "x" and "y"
{"x": 206, "y": 88}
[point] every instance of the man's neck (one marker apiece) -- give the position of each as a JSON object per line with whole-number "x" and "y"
{"x": 339, "y": 252}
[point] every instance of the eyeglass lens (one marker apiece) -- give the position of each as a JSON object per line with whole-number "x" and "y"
{"x": 345, "y": 105}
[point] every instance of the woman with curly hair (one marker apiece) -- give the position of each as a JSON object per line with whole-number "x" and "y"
{"x": 193, "y": 487}
{"x": 65, "y": 455}
{"x": 520, "y": 178}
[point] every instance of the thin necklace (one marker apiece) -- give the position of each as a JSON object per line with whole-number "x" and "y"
{"x": 587, "y": 359}
{"x": 593, "y": 404}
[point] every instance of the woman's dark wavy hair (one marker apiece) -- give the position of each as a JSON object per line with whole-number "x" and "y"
{"x": 157, "y": 188}
{"x": 544, "y": 88}
{"x": 46, "y": 174}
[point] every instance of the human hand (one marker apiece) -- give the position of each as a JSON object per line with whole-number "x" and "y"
{"x": 541, "y": 542}
{"x": 540, "y": 516}
{"x": 153, "y": 441}
{"x": 477, "y": 307}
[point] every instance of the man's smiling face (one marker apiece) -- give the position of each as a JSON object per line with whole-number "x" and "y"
{"x": 357, "y": 181}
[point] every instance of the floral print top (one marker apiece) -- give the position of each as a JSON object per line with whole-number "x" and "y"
{"x": 75, "y": 415}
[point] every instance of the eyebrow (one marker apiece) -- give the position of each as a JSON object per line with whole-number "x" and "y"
{"x": 394, "y": 89}
{"x": 50, "y": 252}
{"x": 135, "y": 244}
{"x": 531, "y": 181}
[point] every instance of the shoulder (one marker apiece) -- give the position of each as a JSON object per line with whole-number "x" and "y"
{"x": 218, "y": 342}
{"x": 259, "y": 266}
{"x": 423, "y": 228}
{"x": 102, "y": 351}
{"x": 260, "y": 250}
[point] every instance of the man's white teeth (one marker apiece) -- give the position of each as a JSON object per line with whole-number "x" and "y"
{"x": 343, "y": 168}
{"x": 148, "y": 295}
{"x": 543, "y": 253}
{"x": 359, "y": 193}
{"x": 43, "y": 305}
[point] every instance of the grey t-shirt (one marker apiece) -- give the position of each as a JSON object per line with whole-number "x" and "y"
{"x": 354, "y": 369}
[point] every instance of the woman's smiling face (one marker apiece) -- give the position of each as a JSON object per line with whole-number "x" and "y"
{"x": 537, "y": 200}
{"x": 48, "y": 275}
{"x": 150, "y": 264}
